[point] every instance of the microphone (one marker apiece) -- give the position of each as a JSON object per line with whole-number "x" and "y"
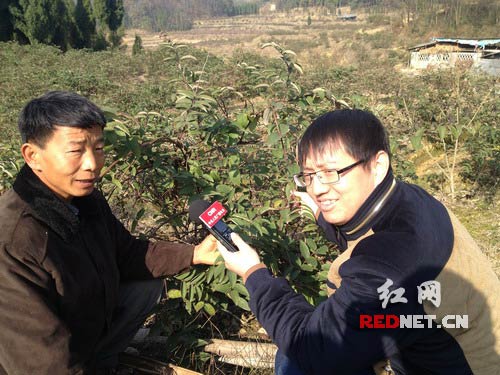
{"x": 210, "y": 215}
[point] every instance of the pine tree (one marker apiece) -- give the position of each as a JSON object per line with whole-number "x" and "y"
{"x": 42, "y": 21}
{"x": 85, "y": 24}
{"x": 6, "y": 25}
{"x": 65, "y": 24}
{"x": 109, "y": 14}
{"x": 137, "y": 47}
{"x": 33, "y": 20}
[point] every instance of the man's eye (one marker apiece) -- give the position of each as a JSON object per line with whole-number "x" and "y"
{"x": 330, "y": 172}
{"x": 74, "y": 151}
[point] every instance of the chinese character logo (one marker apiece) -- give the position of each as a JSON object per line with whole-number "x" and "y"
{"x": 430, "y": 291}
{"x": 393, "y": 296}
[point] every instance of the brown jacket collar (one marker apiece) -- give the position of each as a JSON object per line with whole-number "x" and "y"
{"x": 49, "y": 208}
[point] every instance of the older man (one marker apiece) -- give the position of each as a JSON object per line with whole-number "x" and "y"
{"x": 75, "y": 285}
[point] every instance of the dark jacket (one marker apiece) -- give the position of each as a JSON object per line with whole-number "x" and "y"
{"x": 60, "y": 269}
{"x": 403, "y": 234}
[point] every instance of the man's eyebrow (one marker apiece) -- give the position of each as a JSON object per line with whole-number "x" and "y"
{"x": 323, "y": 164}
{"x": 82, "y": 141}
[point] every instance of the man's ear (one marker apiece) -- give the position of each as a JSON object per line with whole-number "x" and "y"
{"x": 31, "y": 155}
{"x": 380, "y": 166}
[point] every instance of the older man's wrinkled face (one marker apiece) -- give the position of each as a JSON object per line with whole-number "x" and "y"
{"x": 339, "y": 202}
{"x": 70, "y": 161}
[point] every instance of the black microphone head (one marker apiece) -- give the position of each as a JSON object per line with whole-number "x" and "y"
{"x": 196, "y": 208}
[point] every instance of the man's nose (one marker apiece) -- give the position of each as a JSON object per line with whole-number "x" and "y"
{"x": 89, "y": 161}
{"x": 316, "y": 187}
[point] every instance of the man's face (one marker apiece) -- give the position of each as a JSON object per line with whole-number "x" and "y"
{"x": 339, "y": 202}
{"x": 71, "y": 160}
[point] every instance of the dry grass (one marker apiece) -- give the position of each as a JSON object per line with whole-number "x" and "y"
{"x": 223, "y": 36}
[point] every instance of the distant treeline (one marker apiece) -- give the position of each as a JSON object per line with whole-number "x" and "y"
{"x": 158, "y": 15}
{"x": 96, "y": 24}
{"x": 64, "y": 23}
{"x": 451, "y": 14}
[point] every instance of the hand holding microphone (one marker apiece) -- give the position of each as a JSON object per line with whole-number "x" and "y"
{"x": 239, "y": 262}
{"x": 238, "y": 255}
{"x": 210, "y": 215}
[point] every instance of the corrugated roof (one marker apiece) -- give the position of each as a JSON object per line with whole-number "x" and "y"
{"x": 470, "y": 42}
{"x": 423, "y": 45}
{"x": 476, "y": 43}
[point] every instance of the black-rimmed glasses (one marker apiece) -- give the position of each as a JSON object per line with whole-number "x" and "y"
{"x": 325, "y": 176}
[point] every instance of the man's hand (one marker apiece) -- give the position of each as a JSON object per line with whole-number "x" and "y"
{"x": 304, "y": 200}
{"x": 206, "y": 252}
{"x": 239, "y": 262}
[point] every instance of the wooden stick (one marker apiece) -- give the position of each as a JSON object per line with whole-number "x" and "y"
{"x": 243, "y": 353}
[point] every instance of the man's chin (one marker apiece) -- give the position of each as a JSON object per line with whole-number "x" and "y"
{"x": 83, "y": 192}
{"x": 334, "y": 218}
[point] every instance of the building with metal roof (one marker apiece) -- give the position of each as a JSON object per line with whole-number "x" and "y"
{"x": 481, "y": 54}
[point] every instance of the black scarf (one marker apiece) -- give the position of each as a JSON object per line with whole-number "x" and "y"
{"x": 48, "y": 207}
{"x": 365, "y": 218}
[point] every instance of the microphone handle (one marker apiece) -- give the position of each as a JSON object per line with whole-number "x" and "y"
{"x": 223, "y": 233}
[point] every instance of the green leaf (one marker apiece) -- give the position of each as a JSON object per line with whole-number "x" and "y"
{"x": 304, "y": 250}
{"x": 232, "y": 278}
{"x": 242, "y": 120}
{"x": 209, "y": 309}
{"x": 242, "y": 290}
{"x": 243, "y": 304}
{"x": 135, "y": 147}
{"x": 117, "y": 183}
{"x": 416, "y": 142}
{"x": 222, "y": 288}
{"x": 185, "y": 94}
{"x": 306, "y": 267}
{"x": 198, "y": 306}
{"x": 224, "y": 189}
{"x": 284, "y": 129}
{"x": 174, "y": 293}
{"x": 273, "y": 138}
{"x": 312, "y": 261}
{"x": 188, "y": 57}
{"x": 442, "y": 132}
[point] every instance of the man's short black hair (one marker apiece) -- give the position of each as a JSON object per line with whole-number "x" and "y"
{"x": 358, "y": 132}
{"x": 57, "y": 108}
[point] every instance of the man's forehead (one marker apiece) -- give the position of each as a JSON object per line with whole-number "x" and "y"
{"x": 330, "y": 153}
{"x": 74, "y": 135}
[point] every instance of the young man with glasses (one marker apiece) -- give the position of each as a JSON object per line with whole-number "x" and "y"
{"x": 407, "y": 265}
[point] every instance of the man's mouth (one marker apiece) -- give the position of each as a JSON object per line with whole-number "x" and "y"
{"x": 86, "y": 182}
{"x": 327, "y": 204}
